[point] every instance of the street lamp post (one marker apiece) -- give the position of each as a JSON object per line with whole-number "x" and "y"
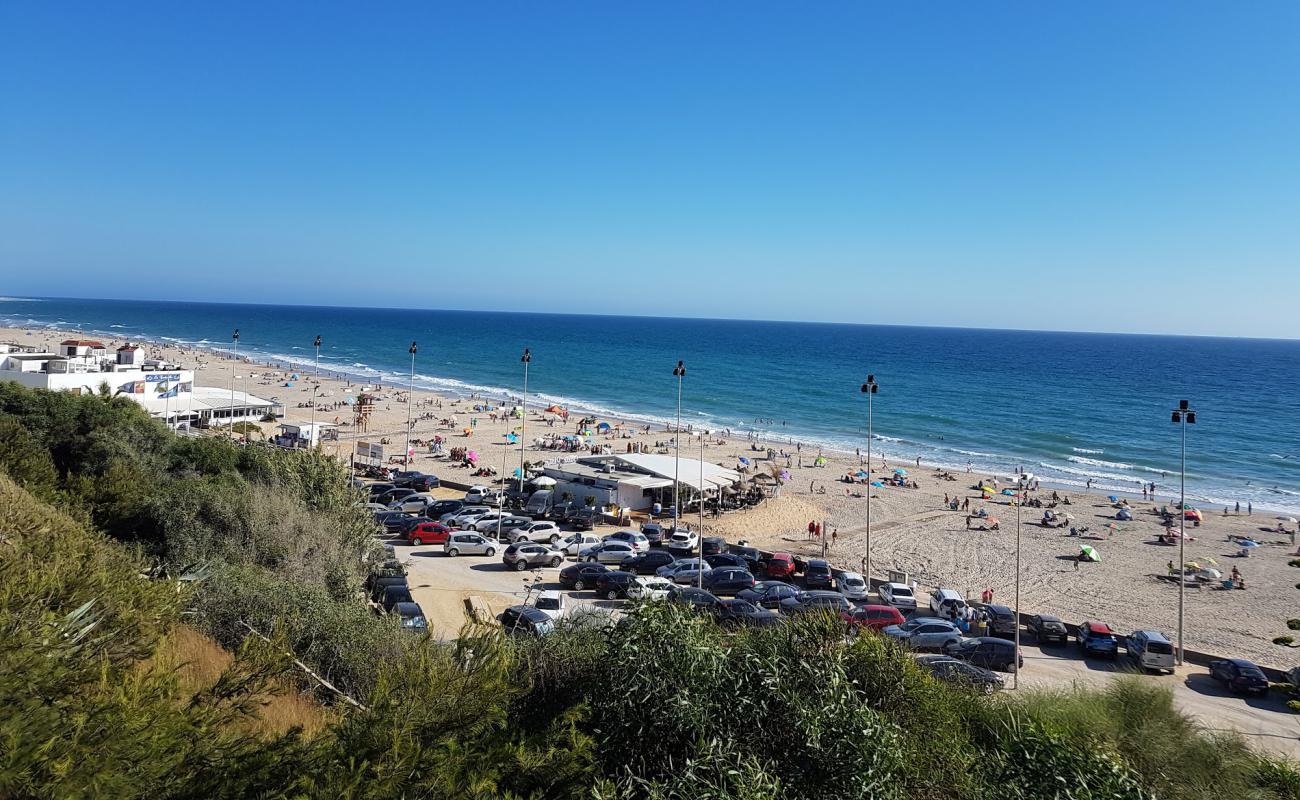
{"x": 1022, "y": 485}
{"x": 869, "y": 388}
{"x": 1182, "y": 416}
{"x": 315, "y": 439}
{"x": 410, "y": 403}
{"x": 680, "y": 372}
{"x": 234, "y": 337}
{"x": 699, "y": 536}
{"x": 525, "y": 359}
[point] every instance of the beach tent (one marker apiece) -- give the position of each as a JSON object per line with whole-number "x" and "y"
{"x": 901, "y": 472}
{"x": 544, "y": 481}
{"x": 554, "y": 410}
{"x": 1089, "y": 553}
{"x": 1192, "y": 513}
{"x": 604, "y": 426}
{"x": 820, "y": 462}
{"x": 1113, "y": 498}
{"x": 878, "y": 484}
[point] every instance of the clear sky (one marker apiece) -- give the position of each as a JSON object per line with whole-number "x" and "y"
{"x": 1124, "y": 166}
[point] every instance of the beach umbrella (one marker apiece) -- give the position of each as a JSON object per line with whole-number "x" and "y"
{"x": 785, "y": 474}
{"x": 512, "y": 438}
{"x": 1209, "y": 574}
{"x": 900, "y": 471}
{"x": 1113, "y": 498}
{"x": 554, "y": 409}
{"x": 604, "y": 426}
{"x": 471, "y": 456}
{"x": 820, "y": 462}
{"x": 1089, "y": 553}
{"x": 994, "y": 520}
{"x": 878, "y": 484}
{"x": 743, "y": 460}
{"x": 1286, "y": 519}
{"x": 544, "y": 481}
{"x": 1248, "y": 543}
{"x": 1008, "y": 492}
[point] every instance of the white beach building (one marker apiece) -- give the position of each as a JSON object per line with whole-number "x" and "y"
{"x": 637, "y": 481}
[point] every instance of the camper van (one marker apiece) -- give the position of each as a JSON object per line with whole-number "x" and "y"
{"x": 540, "y": 504}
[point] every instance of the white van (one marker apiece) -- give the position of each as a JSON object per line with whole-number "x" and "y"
{"x": 1150, "y": 650}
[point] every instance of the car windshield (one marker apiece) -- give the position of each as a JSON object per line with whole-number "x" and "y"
{"x": 901, "y": 591}
{"x": 548, "y": 603}
{"x": 414, "y": 622}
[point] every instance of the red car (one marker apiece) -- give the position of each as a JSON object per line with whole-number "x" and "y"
{"x": 780, "y": 566}
{"x": 876, "y": 618}
{"x": 429, "y": 533}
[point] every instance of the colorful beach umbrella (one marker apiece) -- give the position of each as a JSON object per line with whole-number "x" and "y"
{"x": 1090, "y": 553}
{"x": 900, "y": 471}
{"x": 743, "y": 460}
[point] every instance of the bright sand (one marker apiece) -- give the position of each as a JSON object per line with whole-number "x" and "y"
{"x": 912, "y": 531}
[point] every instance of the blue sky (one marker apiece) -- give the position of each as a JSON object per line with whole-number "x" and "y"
{"x": 1101, "y": 166}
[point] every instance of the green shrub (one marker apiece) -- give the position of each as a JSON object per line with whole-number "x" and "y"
{"x": 1284, "y": 640}
{"x": 1293, "y": 624}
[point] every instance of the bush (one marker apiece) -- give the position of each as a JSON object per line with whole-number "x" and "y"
{"x": 1284, "y": 640}
{"x": 1293, "y": 624}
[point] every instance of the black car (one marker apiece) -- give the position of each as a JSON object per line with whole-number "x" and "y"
{"x": 526, "y": 620}
{"x": 378, "y": 585}
{"x": 1239, "y": 675}
{"x": 817, "y": 601}
{"x": 392, "y": 568}
{"x": 697, "y": 599}
{"x": 713, "y": 545}
{"x": 728, "y": 580}
{"x": 726, "y": 560}
{"x": 440, "y": 507}
{"x": 376, "y": 489}
{"x": 751, "y": 555}
{"x": 613, "y": 584}
{"x": 416, "y": 480}
{"x": 583, "y": 518}
{"x": 394, "y": 595}
{"x": 580, "y": 576}
{"x": 412, "y": 617}
{"x": 654, "y": 533}
{"x": 405, "y": 526}
{"x": 647, "y": 563}
{"x": 768, "y": 594}
{"x": 393, "y": 495}
{"x": 1047, "y": 628}
{"x": 817, "y": 574}
{"x": 989, "y": 652}
{"x": 392, "y": 521}
{"x": 950, "y": 670}
{"x": 743, "y": 612}
{"x": 1002, "y": 621}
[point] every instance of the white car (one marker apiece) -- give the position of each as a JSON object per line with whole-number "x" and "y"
{"x": 551, "y": 604}
{"x": 947, "y": 603}
{"x": 483, "y": 495}
{"x": 649, "y": 588}
{"x": 607, "y": 552}
{"x": 494, "y": 520}
{"x": 898, "y": 595}
{"x": 853, "y": 586}
{"x": 575, "y": 543}
{"x": 471, "y": 544}
{"x": 465, "y": 516}
{"x": 540, "y": 531}
{"x": 683, "y": 541}
{"x": 638, "y": 541}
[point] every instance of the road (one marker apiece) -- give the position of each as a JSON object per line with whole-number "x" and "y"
{"x": 441, "y": 585}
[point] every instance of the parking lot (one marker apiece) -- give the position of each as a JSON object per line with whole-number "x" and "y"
{"x": 442, "y": 584}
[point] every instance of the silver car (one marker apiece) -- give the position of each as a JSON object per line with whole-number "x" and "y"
{"x": 413, "y": 503}
{"x": 607, "y": 553}
{"x": 490, "y": 523}
{"x": 925, "y": 633}
{"x": 685, "y": 571}
{"x": 469, "y": 544}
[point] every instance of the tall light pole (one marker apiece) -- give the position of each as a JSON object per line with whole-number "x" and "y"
{"x": 680, "y": 372}
{"x": 525, "y": 359}
{"x": 1022, "y": 485}
{"x": 410, "y": 403}
{"x": 1182, "y": 416}
{"x": 315, "y": 439}
{"x": 234, "y": 337}
{"x": 699, "y": 536}
{"x": 869, "y": 388}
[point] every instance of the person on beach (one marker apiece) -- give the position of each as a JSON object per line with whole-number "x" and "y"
{"x": 834, "y": 535}
{"x": 1237, "y": 508}
{"x": 818, "y": 531}
{"x": 968, "y": 522}
{"x": 1250, "y": 509}
{"x": 812, "y": 526}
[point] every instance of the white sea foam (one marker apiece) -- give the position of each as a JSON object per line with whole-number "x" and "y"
{"x": 1096, "y": 462}
{"x": 1086, "y": 450}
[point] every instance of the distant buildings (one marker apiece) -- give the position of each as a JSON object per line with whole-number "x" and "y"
{"x": 165, "y": 390}
{"x": 638, "y": 480}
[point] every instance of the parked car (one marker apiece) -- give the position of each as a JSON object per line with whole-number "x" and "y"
{"x": 378, "y": 585}
{"x": 575, "y": 543}
{"x": 551, "y": 603}
{"x": 649, "y": 588}
{"x": 581, "y": 576}
{"x": 392, "y": 521}
{"x": 653, "y": 532}
{"x": 540, "y": 503}
{"x": 649, "y": 563}
{"x": 951, "y": 670}
{"x": 428, "y": 533}
{"x": 1002, "y": 621}
{"x": 735, "y": 611}
{"x": 1097, "y": 639}
{"x": 716, "y": 560}
{"x": 713, "y": 545}
{"x": 989, "y": 652}
{"x": 441, "y": 507}
{"x": 394, "y": 595}
{"x": 582, "y": 519}
{"x": 947, "y": 603}
{"x": 727, "y": 580}
{"x": 779, "y": 567}
{"x": 683, "y": 541}
{"x": 374, "y": 507}
{"x": 525, "y": 555}
{"x": 464, "y": 516}
{"x": 697, "y": 599}
{"x": 391, "y": 568}
{"x": 898, "y": 595}
{"x": 817, "y": 574}
{"x": 538, "y": 531}
{"x": 376, "y": 490}
{"x": 822, "y": 600}
{"x": 768, "y": 594}
{"x": 423, "y": 482}
{"x": 1047, "y": 628}
{"x": 392, "y": 495}
{"x": 852, "y": 585}
{"x": 1150, "y": 650}
{"x": 411, "y": 617}
{"x": 408, "y": 522}
{"x": 526, "y": 620}
{"x": 924, "y": 633}
{"x": 684, "y": 571}
{"x": 470, "y": 544}
{"x": 413, "y": 503}
{"x": 752, "y": 556}
{"x": 637, "y": 540}
{"x": 613, "y": 584}
{"x": 502, "y": 521}
{"x": 482, "y": 495}
{"x": 1239, "y": 675}
{"x": 876, "y": 617}
{"x": 608, "y": 552}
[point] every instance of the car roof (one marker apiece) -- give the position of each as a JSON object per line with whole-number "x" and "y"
{"x": 895, "y": 586}
{"x": 844, "y": 575}
{"x": 529, "y": 613}
{"x": 783, "y": 556}
{"x": 819, "y": 563}
{"x": 928, "y": 620}
{"x": 1155, "y": 636}
{"x": 1098, "y": 627}
{"x": 1241, "y": 662}
{"x": 822, "y": 593}
{"x": 1049, "y": 618}
{"x": 412, "y": 609}
{"x": 999, "y": 609}
{"x": 551, "y": 594}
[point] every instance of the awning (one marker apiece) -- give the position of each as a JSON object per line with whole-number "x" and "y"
{"x": 646, "y": 482}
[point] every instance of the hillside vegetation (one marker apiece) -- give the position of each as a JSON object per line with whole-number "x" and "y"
{"x": 118, "y": 541}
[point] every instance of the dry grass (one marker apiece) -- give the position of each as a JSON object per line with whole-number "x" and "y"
{"x": 197, "y": 662}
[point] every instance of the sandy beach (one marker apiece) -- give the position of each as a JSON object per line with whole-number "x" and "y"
{"x": 913, "y": 531}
